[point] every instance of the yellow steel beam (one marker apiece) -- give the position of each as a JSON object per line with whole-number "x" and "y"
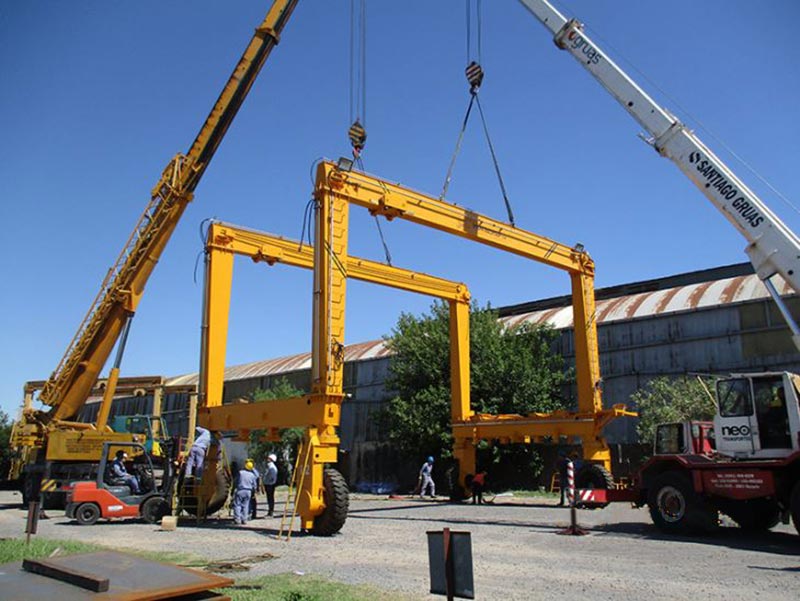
{"x": 225, "y": 240}
{"x": 271, "y": 249}
{"x": 391, "y": 200}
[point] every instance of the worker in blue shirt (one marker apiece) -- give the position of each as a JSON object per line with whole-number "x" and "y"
{"x": 121, "y": 474}
{"x": 197, "y": 454}
{"x": 246, "y": 484}
{"x": 426, "y": 479}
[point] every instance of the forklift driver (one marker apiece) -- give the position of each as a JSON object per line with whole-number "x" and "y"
{"x": 120, "y": 475}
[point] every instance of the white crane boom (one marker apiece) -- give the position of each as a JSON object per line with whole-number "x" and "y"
{"x": 771, "y": 246}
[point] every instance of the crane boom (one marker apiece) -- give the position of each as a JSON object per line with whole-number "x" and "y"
{"x": 70, "y": 384}
{"x": 771, "y": 246}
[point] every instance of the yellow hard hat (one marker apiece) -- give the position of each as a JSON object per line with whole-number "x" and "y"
{"x": 248, "y": 465}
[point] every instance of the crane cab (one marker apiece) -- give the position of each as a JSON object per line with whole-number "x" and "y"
{"x": 758, "y": 415}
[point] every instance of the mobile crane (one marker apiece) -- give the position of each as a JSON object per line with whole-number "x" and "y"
{"x": 47, "y": 439}
{"x": 752, "y": 472}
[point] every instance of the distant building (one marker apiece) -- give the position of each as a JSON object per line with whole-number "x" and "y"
{"x": 712, "y": 321}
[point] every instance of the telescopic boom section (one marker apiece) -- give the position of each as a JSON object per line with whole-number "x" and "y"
{"x": 771, "y": 246}
{"x": 70, "y": 384}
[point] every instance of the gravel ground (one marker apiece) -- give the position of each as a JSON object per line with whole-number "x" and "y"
{"x": 517, "y": 553}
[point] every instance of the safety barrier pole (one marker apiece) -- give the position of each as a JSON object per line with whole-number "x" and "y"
{"x": 573, "y": 529}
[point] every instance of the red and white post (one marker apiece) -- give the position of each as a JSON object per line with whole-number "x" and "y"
{"x": 573, "y": 529}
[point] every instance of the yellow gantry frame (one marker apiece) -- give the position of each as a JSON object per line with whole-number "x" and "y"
{"x": 319, "y": 411}
{"x": 337, "y": 187}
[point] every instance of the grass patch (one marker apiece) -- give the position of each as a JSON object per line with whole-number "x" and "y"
{"x": 280, "y": 587}
{"x": 15, "y": 549}
{"x": 291, "y": 587}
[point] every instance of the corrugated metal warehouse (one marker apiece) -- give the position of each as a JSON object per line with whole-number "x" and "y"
{"x": 713, "y": 321}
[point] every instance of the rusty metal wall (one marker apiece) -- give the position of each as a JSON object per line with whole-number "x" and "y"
{"x": 712, "y": 327}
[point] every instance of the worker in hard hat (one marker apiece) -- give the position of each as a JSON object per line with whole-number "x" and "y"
{"x": 426, "y": 479}
{"x": 253, "y": 500}
{"x": 120, "y": 473}
{"x": 270, "y": 482}
{"x": 246, "y": 483}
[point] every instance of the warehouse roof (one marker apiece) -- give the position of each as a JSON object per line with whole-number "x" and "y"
{"x": 653, "y": 301}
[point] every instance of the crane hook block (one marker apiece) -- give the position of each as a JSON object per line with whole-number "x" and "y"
{"x": 358, "y": 136}
{"x": 474, "y": 76}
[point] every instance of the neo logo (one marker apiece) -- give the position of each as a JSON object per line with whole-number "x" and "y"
{"x": 736, "y": 430}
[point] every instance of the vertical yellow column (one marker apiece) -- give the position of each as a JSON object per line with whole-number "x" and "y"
{"x": 460, "y": 411}
{"x": 587, "y": 362}
{"x": 327, "y": 356}
{"x": 330, "y": 282}
{"x": 459, "y": 362}
{"x": 216, "y": 310}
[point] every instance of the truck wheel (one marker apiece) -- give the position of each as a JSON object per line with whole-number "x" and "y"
{"x": 337, "y": 502}
{"x": 794, "y": 506}
{"x": 87, "y": 514}
{"x": 754, "y": 515}
{"x": 593, "y": 476}
{"x": 153, "y": 509}
{"x": 675, "y": 508}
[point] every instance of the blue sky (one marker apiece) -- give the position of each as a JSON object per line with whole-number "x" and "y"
{"x": 98, "y": 96}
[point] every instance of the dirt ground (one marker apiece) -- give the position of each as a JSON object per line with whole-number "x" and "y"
{"x": 516, "y": 550}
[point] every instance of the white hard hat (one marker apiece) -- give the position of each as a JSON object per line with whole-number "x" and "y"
{"x": 272, "y": 457}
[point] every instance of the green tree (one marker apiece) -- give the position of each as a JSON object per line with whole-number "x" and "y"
{"x": 513, "y": 370}
{"x": 286, "y": 449}
{"x": 665, "y": 400}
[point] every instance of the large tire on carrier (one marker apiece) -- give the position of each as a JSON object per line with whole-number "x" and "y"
{"x": 753, "y": 515}
{"x": 217, "y": 500}
{"x": 337, "y": 502}
{"x": 794, "y": 506}
{"x": 593, "y": 476}
{"x": 153, "y": 509}
{"x": 675, "y": 508}
{"x": 452, "y": 476}
{"x": 87, "y": 514}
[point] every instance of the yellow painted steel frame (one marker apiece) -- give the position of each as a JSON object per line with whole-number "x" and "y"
{"x": 380, "y": 197}
{"x": 319, "y": 410}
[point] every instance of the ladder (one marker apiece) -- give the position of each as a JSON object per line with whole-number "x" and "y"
{"x": 194, "y": 493}
{"x": 293, "y": 492}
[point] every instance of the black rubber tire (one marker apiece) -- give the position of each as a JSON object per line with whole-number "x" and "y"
{"x": 337, "y": 503}
{"x": 87, "y": 514}
{"x": 153, "y": 509}
{"x": 457, "y": 492}
{"x": 675, "y": 508}
{"x": 755, "y": 515}
{"x": 593, "y": 476}
{"x": 794, "y": 506}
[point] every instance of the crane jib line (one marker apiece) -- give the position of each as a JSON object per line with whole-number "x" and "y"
{"x": 715, "y": 179}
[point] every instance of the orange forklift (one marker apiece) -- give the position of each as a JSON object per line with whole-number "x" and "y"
{"x": 107, "y": 497}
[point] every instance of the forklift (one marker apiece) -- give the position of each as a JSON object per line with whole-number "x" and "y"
{"x": 108, "y": 498}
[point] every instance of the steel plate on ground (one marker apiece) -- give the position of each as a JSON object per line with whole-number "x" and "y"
{"x": 131, "y": 578}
